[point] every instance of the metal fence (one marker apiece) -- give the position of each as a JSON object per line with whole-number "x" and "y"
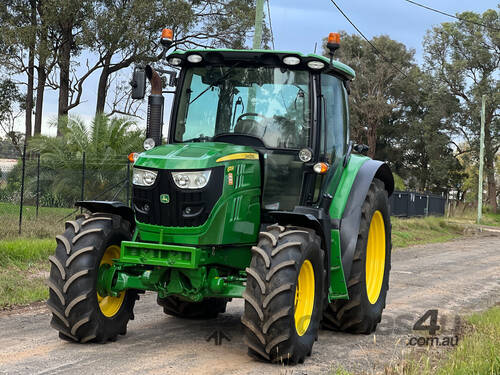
{"x": 410, "y": 203}
{"x": 29, "y": 182}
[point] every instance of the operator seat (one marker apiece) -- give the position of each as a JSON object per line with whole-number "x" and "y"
{"x": 247, "y": 126}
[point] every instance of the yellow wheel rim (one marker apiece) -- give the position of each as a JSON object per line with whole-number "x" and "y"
{"x": 375, "y": 257}
{"x": 110, "y": 305}
{"x": 304, "y": 297}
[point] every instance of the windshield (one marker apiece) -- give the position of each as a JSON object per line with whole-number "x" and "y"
{"x": 269, "y": 103}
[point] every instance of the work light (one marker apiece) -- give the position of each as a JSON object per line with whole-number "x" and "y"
{"x": 315, "y": 64}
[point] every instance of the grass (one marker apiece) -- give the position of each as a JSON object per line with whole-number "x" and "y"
{"x": 406, "y": 232}
{"x": 476, "y": 353}
{"x": 24, "y": 270}
{"x": 487, "y": 219}
{"x": 469, "y": 216}
{"x": 50, "y": 221}
{"x": 23, "y": 259}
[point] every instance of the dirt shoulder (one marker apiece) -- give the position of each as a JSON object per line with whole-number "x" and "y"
{"x": 456, "y": 277}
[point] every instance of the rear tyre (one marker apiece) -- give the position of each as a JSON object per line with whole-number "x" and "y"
{"x": 79, "y": 313}
{"x": 209, "y": 308}
{"x": 284, "y": 294}
{"x": 369, "y": 279}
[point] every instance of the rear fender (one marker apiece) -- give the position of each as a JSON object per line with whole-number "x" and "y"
{"x": 351, "y": 217}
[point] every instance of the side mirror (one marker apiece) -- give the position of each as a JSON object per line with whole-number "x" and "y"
{"x": 138, "y": 83}
{"x": 360, "y": 148}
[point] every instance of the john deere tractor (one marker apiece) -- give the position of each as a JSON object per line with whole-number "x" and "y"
{"x": 256, "y": 192}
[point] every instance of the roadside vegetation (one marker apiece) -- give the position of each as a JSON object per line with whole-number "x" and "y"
{"x": 48, "y": 225}
{"x": 476, "y": 353}
{"x": 24, "y": 270}
{"x": 415, "y": 231}
{"x": 24, "y": 259}
{"x": 488, "y": 219}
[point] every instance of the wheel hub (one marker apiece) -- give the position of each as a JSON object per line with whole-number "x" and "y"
{"x": 110, "y": 305}
{"x": 304, "y": 297}
{"x": 375, "y": 257}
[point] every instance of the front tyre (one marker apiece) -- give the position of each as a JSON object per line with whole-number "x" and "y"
{"x": 369, "y": 279}
{"x": 79, "y": 313}
{"x": 284, "y": 294}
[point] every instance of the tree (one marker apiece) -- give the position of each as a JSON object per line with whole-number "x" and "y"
{"x": 198, "y": 23}
{"x": 29, "y": 42}
{"x": 17, "y": 32}
{"x": 46, "y": 50}
{"x": 70, "y": 22}
{"x": 375, "y": 91}
{"x": 421, "y": 128}
{"x": 405, "y": 118}
{"x": 106, "y": 143}
{"x": 10, "y": 110}
{"x": 465, "y": 58}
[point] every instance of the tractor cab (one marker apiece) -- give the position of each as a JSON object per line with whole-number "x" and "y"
{"x": 290, "y": 108}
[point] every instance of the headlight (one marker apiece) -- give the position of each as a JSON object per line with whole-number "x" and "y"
{"x": 148, "y": 144}
{"x": 143, "y": 177}
{"x": 191, "y": 180}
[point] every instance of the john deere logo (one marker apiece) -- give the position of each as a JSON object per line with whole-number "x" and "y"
{"x": 164, "y": 198}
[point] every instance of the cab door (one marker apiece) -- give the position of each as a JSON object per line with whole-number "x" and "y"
{"x": 334, "y": 130}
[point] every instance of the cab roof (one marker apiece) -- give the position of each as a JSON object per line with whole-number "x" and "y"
{"x": 264, "y": 57}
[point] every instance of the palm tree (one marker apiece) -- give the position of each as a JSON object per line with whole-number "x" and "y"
{"x": 105, "y": 142}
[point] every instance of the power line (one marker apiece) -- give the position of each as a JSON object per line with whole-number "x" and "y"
{"x": 270, "y": 23}
{"x": 369, "y": 42}
{"x": 451, "y": 15}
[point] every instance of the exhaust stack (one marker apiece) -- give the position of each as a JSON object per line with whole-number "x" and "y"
{"x": 155, "y": 107}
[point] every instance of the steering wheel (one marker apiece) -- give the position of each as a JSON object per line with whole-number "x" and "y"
{"x": 249, "y": 114}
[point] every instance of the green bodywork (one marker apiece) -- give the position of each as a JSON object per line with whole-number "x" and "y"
{"x": 235, "y": 219}
{"x": 184, "y": 261}
{"x": 210, "y": 260}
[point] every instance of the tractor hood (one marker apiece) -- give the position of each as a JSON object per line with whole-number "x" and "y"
{"x": 190, "y": 155}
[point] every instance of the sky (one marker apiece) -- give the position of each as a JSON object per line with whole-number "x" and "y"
{"x": 298, "y": 25}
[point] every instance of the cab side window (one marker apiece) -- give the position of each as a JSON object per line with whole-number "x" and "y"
{"x": 335, "y": 116}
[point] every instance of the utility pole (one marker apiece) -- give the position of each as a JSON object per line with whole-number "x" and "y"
{"x": 481, "y": 163}
{"x": 257, "y": 41}
{"x": 259, "y": 17}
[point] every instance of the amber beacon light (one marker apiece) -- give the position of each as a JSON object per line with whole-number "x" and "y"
{"x": 167, "y": 37}
{"x": 333, "y": 43}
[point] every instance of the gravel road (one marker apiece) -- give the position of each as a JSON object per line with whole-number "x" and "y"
{"x": 454, "y": 277}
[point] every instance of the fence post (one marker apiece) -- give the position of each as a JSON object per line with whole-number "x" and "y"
{"x": 128, "y": 184}
{"x": 427, "y": 206}
{"x": 37, "y": 184}
{"x": 22, "y": 189}
{"x": 83, "y": 180}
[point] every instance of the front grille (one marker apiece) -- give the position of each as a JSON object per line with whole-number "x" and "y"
{"x": 186, "y": 208}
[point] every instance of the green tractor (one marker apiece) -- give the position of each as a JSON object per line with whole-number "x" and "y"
{"x": 255, "y": 194}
